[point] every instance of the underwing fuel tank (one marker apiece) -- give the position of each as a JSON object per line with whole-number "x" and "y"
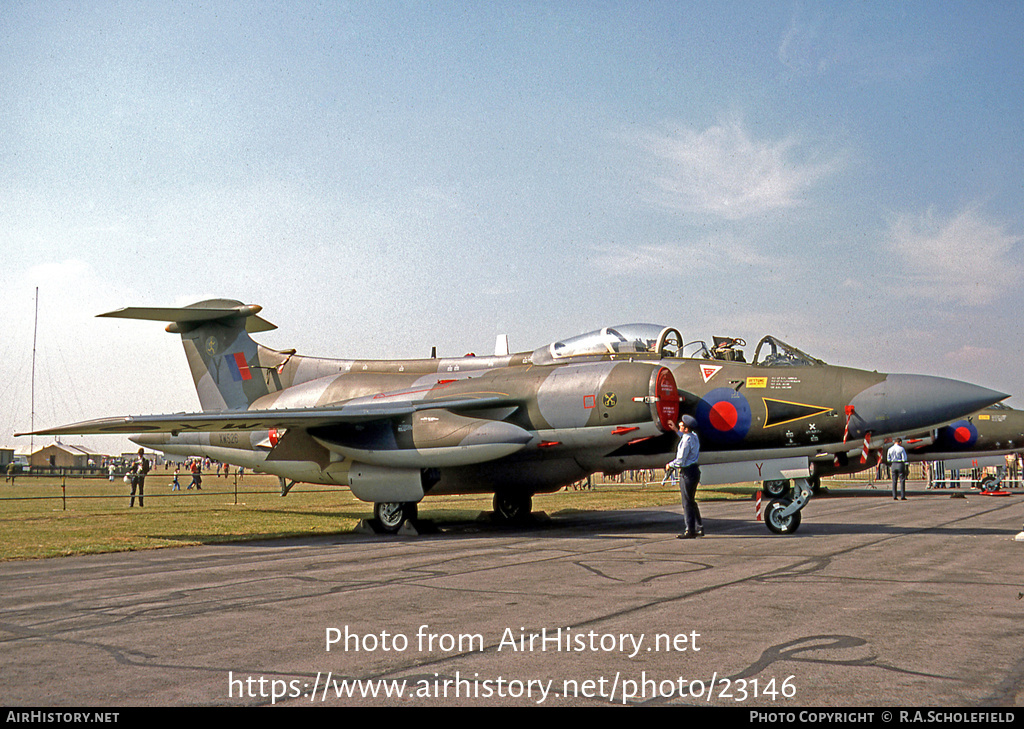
{"x": 373, "y": 483}
{"x": 433, "y": 438}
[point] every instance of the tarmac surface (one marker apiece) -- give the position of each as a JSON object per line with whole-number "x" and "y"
{"x": 871, "y": 603}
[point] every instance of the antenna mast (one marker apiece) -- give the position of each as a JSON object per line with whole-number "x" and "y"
{"x": 35, "y": 330}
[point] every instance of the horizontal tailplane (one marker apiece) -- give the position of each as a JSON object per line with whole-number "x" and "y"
{"x": 189, "y": 317}
{"x": 229, "y": 369}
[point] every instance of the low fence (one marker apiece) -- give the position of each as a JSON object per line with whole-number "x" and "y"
{"x": 68, "y": 488}
{"x": 929, "y": 472}
{"x": 90, "y": 484}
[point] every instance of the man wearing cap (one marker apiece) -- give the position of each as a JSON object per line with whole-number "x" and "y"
{"x": 687, "y": 453}
{"x": 139, "y": 471}
{"x": 897, "y": 457}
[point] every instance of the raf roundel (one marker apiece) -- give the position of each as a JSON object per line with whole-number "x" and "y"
{"x": 724, "y": 415}
{"x": 960, "y": 434}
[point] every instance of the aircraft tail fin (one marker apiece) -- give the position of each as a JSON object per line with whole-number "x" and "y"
{"x": 230, "y": 370}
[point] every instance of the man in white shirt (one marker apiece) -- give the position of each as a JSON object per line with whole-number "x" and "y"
{"x": 687, "y": 453}
{"x": 897, "y": 458}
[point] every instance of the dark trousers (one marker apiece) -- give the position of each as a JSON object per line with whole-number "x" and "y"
{"x": 899, "y": 474}
{"x": 138, "y": 482}
{"x": 689, "y": 477}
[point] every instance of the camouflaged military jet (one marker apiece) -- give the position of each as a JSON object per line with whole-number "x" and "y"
{"x": 982, "y": 439}
{"x": 520, "y": 424}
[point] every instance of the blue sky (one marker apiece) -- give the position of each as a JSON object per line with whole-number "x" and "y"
{"x": 385, "y": 177}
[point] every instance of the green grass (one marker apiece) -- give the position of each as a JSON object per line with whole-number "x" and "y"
{"x": 94, "y": 517}
{"x": 40, "y": 518}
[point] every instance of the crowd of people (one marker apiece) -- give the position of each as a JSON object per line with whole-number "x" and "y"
{"x": 137, "y": 470}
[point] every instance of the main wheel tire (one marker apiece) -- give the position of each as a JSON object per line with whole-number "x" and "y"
{"x": 513, "y": 507}
{"x": 777, "y": 488}
{"x": 987, "y": 482}
{"x": 392, "y": 514}
{"x": 778, "y": 524}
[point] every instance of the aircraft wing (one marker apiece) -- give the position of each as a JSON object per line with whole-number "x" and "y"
{"x": 236, "y": 420}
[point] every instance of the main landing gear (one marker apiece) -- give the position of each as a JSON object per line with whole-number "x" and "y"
{"x": 391, "y": 515}
{"x": 782, "y": 486}
{"x": 510, "y": 507}
{"x": 513, "y": 507}
{"x": 782, "y": 515}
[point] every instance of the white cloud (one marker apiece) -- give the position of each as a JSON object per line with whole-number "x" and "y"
{"x": 973, "y": 356}
{"x": 801, "y": 48}
{"x": 965, "y": 259}
{"x": 720, "y": 253}
{"x": 724, "y": 172}
{"x": 825, "y": 41}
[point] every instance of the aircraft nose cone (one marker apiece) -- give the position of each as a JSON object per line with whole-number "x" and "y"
{"x": 907, "y": 402}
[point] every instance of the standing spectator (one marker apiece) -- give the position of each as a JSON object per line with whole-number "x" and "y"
{"x": 139, "y": 470}
{"x": 197, "y": 475}
{"x": 897, "y": 458}
{"x": 685, "y": 462}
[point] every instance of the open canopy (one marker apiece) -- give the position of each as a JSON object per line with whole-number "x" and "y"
{"x": 622, "y": 339}
{"x": 662, "y": 341}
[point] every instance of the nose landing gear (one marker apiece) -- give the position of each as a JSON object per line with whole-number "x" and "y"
{"x": 782, "y": 515}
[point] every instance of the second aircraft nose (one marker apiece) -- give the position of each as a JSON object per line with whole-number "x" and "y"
{"x": 908, "y": 402}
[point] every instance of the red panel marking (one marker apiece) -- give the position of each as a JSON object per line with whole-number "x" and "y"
{"x": 624, "y": 429}
{"x": 243, "y": 366}
{"x": 589, "y": 402}
{"x": 668, "y": 398}
{"x": 549, "y": 443}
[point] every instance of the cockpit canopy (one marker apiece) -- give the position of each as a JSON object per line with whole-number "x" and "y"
{"x": 779, "y": 354}
{"x": 661, "y": 341}
{"x": 624, "y": 339}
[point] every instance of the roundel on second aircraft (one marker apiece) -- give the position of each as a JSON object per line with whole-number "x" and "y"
{"x": 961, "y": 434}
{"x": 724, "y": 416}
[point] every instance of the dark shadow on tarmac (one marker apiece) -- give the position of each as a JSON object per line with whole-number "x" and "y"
{"x": 666, "y": 521}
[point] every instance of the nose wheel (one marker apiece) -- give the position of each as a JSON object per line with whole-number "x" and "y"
{"x": 782, "y": 516}
{"x": 777, "y": 520}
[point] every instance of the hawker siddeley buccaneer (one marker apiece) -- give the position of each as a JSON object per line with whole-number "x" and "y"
{"x": 516, "y": 425}
{"x": 981, "y": 439}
